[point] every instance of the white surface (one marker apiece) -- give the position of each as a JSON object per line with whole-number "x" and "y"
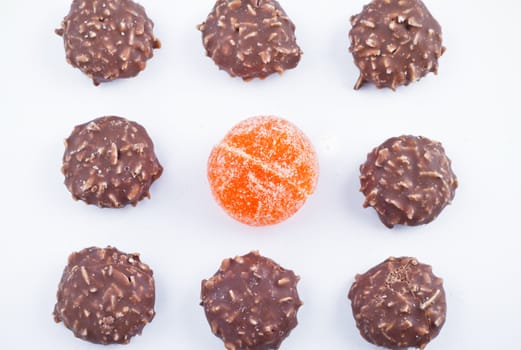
{"x": 187, "y": 105}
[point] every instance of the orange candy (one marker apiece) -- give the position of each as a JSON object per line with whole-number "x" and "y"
{"x": 263, "y": 170}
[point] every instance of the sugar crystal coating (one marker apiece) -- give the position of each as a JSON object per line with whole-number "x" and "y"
{"x": 105, "y": 296}
{"x": 399, "y": 304}
{"x": 108, "y": 39}
{"x": 263, "y": 170}
{"x": 251, "y": 302}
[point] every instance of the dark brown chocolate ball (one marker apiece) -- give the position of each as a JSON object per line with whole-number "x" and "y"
{"x": 408, "y": 180}
{"x": 395, "y": 42}
{"x": 105, "y": 296}
{"x": 250, "y": 38}
{"x": 110, "y": 162}
{"x": 398, "y": 304}
{"x": 108, "y": 39}
{"x": 251, "y": 303}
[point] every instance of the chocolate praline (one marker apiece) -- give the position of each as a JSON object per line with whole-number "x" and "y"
{"x": 110, "y": 162}
{"x": 399, "y": 304}
{"x": 408, "y": 180}
{"x": 251, "y": 302}
{"x": 105, "y": 296}
{"x": 108, "y": 39}
{"x": 250, "y": 38}
{"x": 395, "y": 42}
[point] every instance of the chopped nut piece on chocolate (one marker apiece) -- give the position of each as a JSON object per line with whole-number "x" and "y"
{"x": 108, "y": 39}
{"x": 250, "y": 38}
{"x": 251, "y": 302}
{"x": 398, "y": 304}
{"x": 105, "y": 296}
{"x": 395, "y": 42}
{"x": 408, "y": 180}
{"x": 110, "y": 162}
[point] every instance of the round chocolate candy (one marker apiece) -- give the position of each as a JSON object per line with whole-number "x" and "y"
{"x": 398, "y": 304}
{"x": 108, "y": 39}
{"x": 408, "y": 180}
{"x": 110, "y": 162}
{"x": 250, "y": 38}
{"x": 263, "y": 170}
{"x": 251, "y": 302}
{"x": 105, "y": 296}
{"x": 395, "y": 42}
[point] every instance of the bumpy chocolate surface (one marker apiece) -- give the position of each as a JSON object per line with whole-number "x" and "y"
{"x": 251, "y": 303}
{"x": 110, "y": 162}
{"x": 399, "y": 304}
{"x": 395, "y": 42}
{"x": 105, "y": 296}
{"x": 108, "y": 39}
{"x": 250, "y": 38}
{"x": 408, "y": 180}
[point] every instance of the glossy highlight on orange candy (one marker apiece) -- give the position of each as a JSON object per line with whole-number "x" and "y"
{"x": 263, "y": 170}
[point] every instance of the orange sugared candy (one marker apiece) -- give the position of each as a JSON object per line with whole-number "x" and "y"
{"x": 263, "y": 170}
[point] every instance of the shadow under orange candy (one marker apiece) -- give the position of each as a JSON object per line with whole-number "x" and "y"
{"x": 263, "y": 170}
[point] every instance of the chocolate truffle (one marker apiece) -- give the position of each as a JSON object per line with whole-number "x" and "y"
{"x": 105, "y": 296}
{"x": 398, "y": 304}
{"x": 408, "y": 180}
{"x": 251, "y": 302}
{"x": 250, "y": 38}
{"x": 108, "y": 39}
{"x": 395, "y": 42}
{"x": 110, "y": 162}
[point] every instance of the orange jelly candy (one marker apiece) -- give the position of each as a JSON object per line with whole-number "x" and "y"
{"x": 263, "y": 170}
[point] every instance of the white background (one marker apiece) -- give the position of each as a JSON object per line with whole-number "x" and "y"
{"x": 187, "y": 105}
